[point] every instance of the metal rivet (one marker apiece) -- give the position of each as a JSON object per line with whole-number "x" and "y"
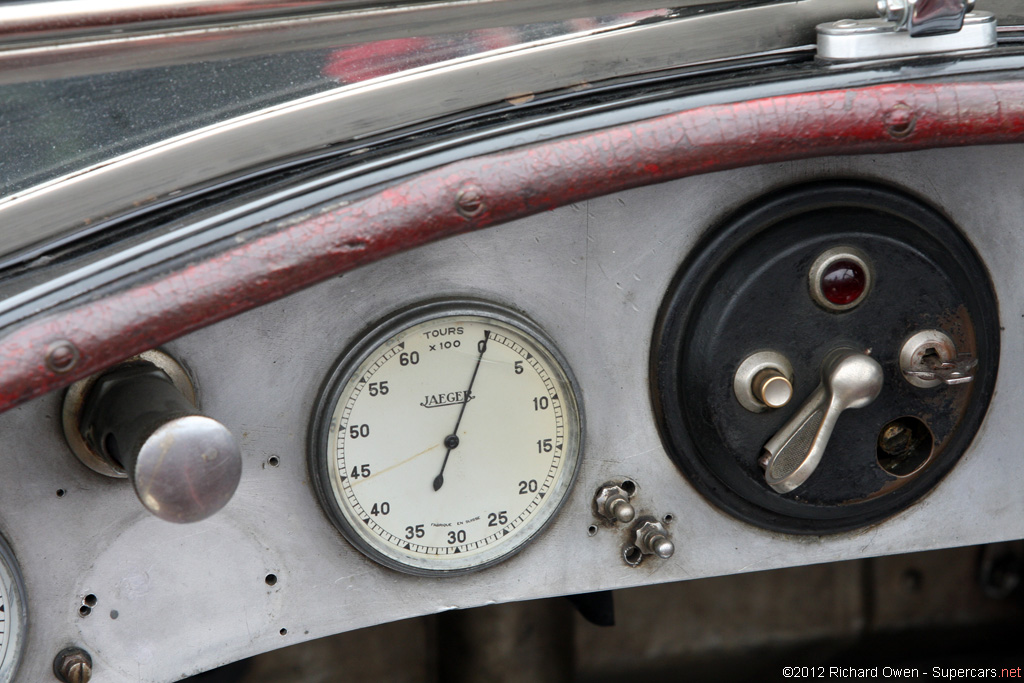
{"x": 61, "y": 356}
{"x": 470, "y": 201}
{"x": 73, "y": 665}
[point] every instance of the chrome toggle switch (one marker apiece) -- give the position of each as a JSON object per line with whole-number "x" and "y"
{"x": 849, "y": 380}
{"x": 612, "y": 502}
{"x": 652, "y": 538}
{"x": 136, "y": 419}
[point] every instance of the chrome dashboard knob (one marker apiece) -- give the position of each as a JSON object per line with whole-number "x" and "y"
{"x": 184, "y": 466}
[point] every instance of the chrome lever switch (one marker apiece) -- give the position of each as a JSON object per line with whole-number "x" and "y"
{"x": 849, "y": 380}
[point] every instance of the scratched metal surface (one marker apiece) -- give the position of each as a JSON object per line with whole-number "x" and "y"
{"x": 592, "y": 275}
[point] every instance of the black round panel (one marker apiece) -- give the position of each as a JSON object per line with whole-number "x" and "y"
{"x": 746, "y": 289}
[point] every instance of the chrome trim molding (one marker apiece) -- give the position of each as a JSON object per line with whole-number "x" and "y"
{"x": 57, "y": 21}
{"x": 45, "y": 40}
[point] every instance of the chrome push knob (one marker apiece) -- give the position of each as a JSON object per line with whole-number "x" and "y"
{"x": 849, "y": 380}
{"x": 772, "y": 388}
{"x": 184, "y": 466}
{"x": 763, "y": 381}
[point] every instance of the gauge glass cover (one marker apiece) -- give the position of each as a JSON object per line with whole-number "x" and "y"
{"x": 447, "y": 439}
{"x": 12, "y": 614}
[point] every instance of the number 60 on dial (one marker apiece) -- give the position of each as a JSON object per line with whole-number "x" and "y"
{"x": 447, "y": 438}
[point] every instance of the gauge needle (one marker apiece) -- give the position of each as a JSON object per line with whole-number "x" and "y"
{"x": 452, "y": 440}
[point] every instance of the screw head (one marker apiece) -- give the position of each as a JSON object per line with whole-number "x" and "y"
{"x": 73, "y": 665}
{"x": 894, "y": 439}
{"x": 900, "y": 121}
{"x": 61, "y": 356}
{"x": 470, "y": 201}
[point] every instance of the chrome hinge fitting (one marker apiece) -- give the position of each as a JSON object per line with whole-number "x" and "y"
{"x": 908, "y": 27}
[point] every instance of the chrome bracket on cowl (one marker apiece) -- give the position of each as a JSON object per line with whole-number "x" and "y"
{"x": 849, "y": 379}
{"x": 908, "y": 27}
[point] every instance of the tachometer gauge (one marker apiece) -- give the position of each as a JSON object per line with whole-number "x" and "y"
{"x": 12, "y": 614}
{"x": 447, "y": 438}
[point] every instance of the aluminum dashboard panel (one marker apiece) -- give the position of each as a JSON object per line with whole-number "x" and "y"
{"x": 174, "y": 600}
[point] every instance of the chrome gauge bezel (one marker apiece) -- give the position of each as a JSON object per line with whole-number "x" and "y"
{"x": 13, "y": 598}
{"x": 322, "y": 468}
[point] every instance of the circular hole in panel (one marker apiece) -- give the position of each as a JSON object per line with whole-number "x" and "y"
{"x": 284, "y": 632}
{"x": 90, "y": 600}
{"x": 904, "y": 446}
{"x": 273, "y": 461}
{"x": 84, "y": 610}
{"x": 61, "y": 493}
{"x": 632, "y": 555}
{"x": 591, "y": 530}
{"x": 629, "y": 486}
{"x": 271, "y": 579}
{"x": 668, "y": 518}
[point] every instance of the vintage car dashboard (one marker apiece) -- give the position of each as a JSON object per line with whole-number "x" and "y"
{"x": 727, "y": 323}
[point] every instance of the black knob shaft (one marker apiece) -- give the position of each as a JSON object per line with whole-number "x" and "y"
{"x": 184, "y": 466}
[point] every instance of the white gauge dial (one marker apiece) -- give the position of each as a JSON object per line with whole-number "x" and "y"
{"x": 448, "y": 439}
{"x": 12, "y": 614}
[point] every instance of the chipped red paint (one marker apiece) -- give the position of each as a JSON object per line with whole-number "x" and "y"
{"x": 309, "y": 248}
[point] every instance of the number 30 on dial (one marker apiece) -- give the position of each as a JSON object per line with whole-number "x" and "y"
{"x": 447, "y": 438}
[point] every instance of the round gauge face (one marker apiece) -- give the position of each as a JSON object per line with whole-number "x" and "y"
{"x": 12, "y": 615}
{"x": 447, "y": 439}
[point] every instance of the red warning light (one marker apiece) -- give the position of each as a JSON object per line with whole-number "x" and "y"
{"x": 843, "y": 282}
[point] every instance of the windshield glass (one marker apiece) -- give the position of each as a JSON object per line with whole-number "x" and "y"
{"x": 51, "y": 128}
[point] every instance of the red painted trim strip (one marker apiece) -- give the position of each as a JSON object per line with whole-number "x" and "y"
{"x": 51, "y": 351}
